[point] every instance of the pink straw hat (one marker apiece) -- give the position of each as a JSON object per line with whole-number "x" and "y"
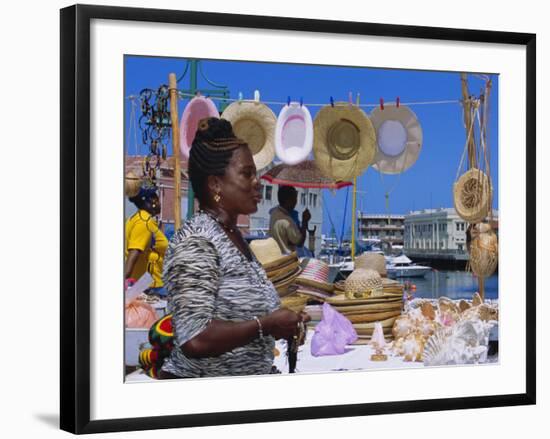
{"x": 198, "y": 108}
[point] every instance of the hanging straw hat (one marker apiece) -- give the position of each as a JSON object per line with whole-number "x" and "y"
{"x": 363, "y": 282}
{"x": 345, "y": 141}
{"x": 198, "y": 108}
{"x": 254, "y": 122}
{"x": 373, "y": 261}
{"x": 293, "y": 134}
{"x": 315, "y": 275}
{"x": 484, "y": 253}
{"x": 399, "y": 138}
{"x": 472, "y": 195}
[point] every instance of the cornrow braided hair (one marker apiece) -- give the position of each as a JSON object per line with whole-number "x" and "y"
{"x": 211, "y": 152}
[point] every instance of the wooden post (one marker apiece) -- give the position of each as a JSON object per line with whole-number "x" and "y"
{"x": 353, "y": 218}
{"x": 175, "y": 149}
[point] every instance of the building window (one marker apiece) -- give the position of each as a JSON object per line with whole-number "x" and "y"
{"x": 314, "y": 200}
{"x": 303, "y": 199}
{"x": 268, "y": 192}
{"x": 457, "y": 227}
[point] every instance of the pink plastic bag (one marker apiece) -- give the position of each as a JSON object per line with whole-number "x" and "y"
{"x": 332, "y": 334}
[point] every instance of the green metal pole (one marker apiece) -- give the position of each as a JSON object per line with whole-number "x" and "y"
{"x": 193, "y": 89}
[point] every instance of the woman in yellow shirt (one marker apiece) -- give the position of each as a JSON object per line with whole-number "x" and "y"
{"x": 145, "y": 243}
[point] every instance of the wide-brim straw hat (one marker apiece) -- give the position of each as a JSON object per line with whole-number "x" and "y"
{"x": 373, "y": 261}
{"x": 345, "y": 141}
{"x": 472, "y": 195}
{"x": 368, "y": 328}
{"x": 399, "y": 138}
{"x": 295, "y": 302}
{"x": 267, "y": 251}
{"x": 198, "y": 108}
{"x": 254, "y": 122}
{"x": 293, "y": 134}
{"x": 363, "y": 282}
{"x": 375, "y": 302}
{"x": 316, "y": 274}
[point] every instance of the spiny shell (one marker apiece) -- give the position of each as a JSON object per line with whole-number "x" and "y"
{"x": 402, "y": 326}
{"x": 428, "y": 310}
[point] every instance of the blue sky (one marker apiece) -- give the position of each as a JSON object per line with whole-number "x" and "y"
{"x": 427, "y": 184}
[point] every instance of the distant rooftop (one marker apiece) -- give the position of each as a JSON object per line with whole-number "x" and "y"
{"x": 380, "y": 215}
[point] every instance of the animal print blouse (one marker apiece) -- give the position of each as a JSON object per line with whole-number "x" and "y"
{"x": 208, "y": 278}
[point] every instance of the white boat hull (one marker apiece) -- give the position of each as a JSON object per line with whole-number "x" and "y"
{"x": 417, "y": 271}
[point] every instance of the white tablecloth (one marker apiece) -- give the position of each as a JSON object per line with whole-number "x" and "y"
{"x": 356, "y": 357}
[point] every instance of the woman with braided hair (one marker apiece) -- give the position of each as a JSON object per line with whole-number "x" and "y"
{"x": 226, "y": 313}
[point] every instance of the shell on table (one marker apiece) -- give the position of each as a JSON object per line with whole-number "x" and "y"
{"x": 402, "y": 326}
{"x": 412, "y": 347}
{"x": 483, "y": 312}
{"x": 464, "y": 343}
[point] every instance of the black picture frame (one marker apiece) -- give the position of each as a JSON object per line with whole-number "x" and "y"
{"x": 75, "y": 217}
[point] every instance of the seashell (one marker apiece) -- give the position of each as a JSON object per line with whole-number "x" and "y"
{"x": 448, "y": 305}
{"x": 483, "y": 312}
{"x": 476, "y": 299}
{"x": 402, "y": 327}
{"x": 427, "y": 328}
{"x": 428, "y": 311}
{"x": 464, "y": 343}
{"x": 413, "y": 347}
{"x": 463, "y": 305}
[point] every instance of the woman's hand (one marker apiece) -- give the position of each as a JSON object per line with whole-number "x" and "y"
{"x": 283, "y": 323}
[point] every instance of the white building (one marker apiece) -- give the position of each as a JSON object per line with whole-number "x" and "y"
{"x": 435, "y": 231}
{"x": 311, "y": 199}
{"x": 388, "y": 228}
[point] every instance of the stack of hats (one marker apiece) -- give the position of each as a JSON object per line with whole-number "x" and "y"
{"x": 313, "y": 281}
{"x": 281, "y": 269}
{"x": 366, "y": 297}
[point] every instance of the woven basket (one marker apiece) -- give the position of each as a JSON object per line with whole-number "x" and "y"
{"x": 294, "y": 302}
{"x": 472, "y": 195}
{"x": 132, "y": 184}
{"x": 363, "y": 282}
{"x": 484, "y": 254}
{"x": 373, "y": 261}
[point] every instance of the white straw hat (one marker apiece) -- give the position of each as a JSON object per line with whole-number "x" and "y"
{"x": 294, "y": 134}
{"x": 399, "y": 138}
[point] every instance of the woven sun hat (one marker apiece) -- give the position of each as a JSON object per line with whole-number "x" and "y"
{"x": 254, "y": 122}
{"x": 266, "y": 250}
{"x": 345, "y": 141}
{"x": 373, "y": 261}
{"x": 132, "y": 183}
{"x": 362, "y": 283}
{"x": 293, "y": 134}
{"x": 198, "y": 108}
{"x": 399, "y": 138}
{"x": 315, "y": 274}
{"x": 472, "y": 195}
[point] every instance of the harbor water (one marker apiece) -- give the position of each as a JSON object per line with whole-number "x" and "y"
{"x": 452, "y": 284}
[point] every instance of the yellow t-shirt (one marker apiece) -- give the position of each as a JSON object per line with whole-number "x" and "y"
{"x": 143, "y": 234}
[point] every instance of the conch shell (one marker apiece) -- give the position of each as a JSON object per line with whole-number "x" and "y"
{"x": 402, "y": 327}
{"x": 464, "y": 343}
{"x": 413, "y": 347}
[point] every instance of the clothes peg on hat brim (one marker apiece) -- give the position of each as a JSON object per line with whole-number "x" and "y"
{"x": 357, "y": 99}
{"x": 257, "y": 95}
{"x": 240, "y": 96}
{"x": 331, "y": 101}
{"x": 301, "y": 101}
{"x": 397, "y": 102}
{"x": 288, "y": 101}
{"x": 382, "y": 103}
{"x": 350, "y": 98}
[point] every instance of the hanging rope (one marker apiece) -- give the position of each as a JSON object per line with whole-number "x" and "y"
{"x": 344, "y": 219}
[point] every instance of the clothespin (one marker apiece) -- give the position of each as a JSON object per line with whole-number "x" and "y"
{"x": 350, "y": 98}
{"x": 301, "y": 101}
{"x": 288, "y": 101}
{"x": 197, "y": 93}
{"x": 257, "y": 95}
{"x": 331, "y": 101}
{"x": 240, "y": 96}
{"x": 381, "y": 103}
{"x": 357, "y": 99}
{"x": 397, "y": 102}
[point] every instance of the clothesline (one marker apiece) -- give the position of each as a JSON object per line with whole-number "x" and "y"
{"x": 439, "y": 102}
